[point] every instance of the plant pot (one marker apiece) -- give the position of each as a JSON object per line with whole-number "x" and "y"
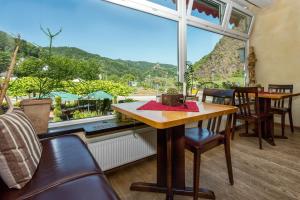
{"x": 171, "y": 99}
{"x": 38, "y": 111}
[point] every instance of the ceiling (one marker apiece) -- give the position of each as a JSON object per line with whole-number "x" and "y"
{"x": 258, "y": 3}
{"x": 261, "y": 3}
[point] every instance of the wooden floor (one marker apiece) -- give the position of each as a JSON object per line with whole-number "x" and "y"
{"x": 269, "y": 174}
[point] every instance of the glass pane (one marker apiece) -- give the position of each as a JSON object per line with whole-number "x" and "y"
{"x": 239, "y": 21}
{"x": 123, "y": 52}
{"x": 167, "y": 3}
{"x": 209, "y": 10}
{"x": 217, "y": 60}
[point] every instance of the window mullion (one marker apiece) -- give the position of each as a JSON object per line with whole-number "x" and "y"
{"x": 182, "y": 39}
{"x": 190, "y": 6}
{"x": 226, "y": 16}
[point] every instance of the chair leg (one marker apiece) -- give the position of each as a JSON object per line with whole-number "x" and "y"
{"x": 272, "y": 127}
{"x": 291, "y": 121}
{"x": 197, "y": 162}
{"x": 282, "y": 124}
{"x": 233, "y": 127}
{"x": 228, "y": 160}
{"x": 247, "y": 127}
{"x": 259, "y": 133}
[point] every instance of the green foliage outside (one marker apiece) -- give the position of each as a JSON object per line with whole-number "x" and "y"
{"x": 41, "y": 70}
{"x": 189, "y": 77}
{"x": 4, "y": 60}
{"x": 84, "y": 114}
{"x": 56, "y": 72}
{"x": 86, "y": 87}
{"x": 28, "y": 86}
{"x": 128, "y": 100}
{"x": 57, "y": 110}
{"x": 105, "y": 107}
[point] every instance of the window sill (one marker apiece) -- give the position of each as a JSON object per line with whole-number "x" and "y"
{"x": 79, "y": 121}
{"x": 91, "y": 127}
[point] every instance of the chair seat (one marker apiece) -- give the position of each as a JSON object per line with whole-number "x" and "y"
{"x": 199, "y": 137}
{"x": 253, "y": 117}
{"x": 280, "y": 110}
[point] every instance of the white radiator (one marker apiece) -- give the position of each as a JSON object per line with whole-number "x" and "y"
{"x": 121, "y": 148}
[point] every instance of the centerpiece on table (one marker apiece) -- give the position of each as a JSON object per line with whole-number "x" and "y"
{"x": 172, "y": 97}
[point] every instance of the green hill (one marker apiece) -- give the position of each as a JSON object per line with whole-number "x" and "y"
{"x": 110, "y": 68}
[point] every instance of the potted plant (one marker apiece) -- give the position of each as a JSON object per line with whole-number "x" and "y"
{"x": 172, "y": 97}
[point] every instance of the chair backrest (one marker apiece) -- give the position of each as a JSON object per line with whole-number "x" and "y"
{"x": 244, "y": 96}
{"x": 260, "y": 89}
{"x": 281, "y": 89}
{"x": 218, "y": 96}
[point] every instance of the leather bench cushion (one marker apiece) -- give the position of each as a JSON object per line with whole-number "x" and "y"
{"x": 94, "y": 187}
{"x": 63, "y": 158}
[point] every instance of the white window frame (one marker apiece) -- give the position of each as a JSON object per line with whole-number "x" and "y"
{"x": 184, "y": 18}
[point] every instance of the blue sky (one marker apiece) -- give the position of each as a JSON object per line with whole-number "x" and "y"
{"x": 103, "y": 28}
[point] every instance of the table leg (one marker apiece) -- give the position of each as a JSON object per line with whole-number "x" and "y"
{"x": 267, "y": 126}
{"x": 171, "y": 166}
{"x": 169, "y": 195}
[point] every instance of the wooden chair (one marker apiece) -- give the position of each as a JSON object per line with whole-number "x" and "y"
{"x": 244, "y": 97}
{"x": 199, "y": 140}
{"x": 279, "y": 107}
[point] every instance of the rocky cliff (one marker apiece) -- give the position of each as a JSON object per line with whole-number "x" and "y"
{"x": 223, "y": 62}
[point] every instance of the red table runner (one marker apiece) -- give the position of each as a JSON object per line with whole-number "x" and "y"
{"x": 153, "y": 105}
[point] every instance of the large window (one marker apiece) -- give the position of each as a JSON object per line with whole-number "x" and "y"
{"x": 87, "y": 54}
{"x": 101, "y": 53}
{"x": 217, "y": 60}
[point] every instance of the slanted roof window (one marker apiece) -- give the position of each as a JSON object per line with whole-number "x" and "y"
{"x": 209, "y": 10}
{"x": 239, "y": 21}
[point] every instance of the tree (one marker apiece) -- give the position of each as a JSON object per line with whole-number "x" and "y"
{"x": 189, "y": 77}
{"x": 127, "y": 78}
{"x": 23, "y": 86}
{"x": 48, "y": 73}
{"x": 6, "y": 43}
{"x": 86, "y": 87}
{"x": 51, "y": 36}
{"x": 27, "y": 49}
{"x": 88, "y": 69}
{"x": 4, "y": 60}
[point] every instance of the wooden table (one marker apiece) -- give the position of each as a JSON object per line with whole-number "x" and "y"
{"x": 170, "y": 127}
{"x": 265, "y": 100}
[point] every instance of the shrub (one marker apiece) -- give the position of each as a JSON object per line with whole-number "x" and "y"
{"x": 57, "y": 110}
{"x": 85, "y": 114}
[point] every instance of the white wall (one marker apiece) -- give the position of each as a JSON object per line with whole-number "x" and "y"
{"x": 276, "y": 39}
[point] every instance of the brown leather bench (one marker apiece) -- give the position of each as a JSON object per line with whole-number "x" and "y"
{"x": 67, "y": 170}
